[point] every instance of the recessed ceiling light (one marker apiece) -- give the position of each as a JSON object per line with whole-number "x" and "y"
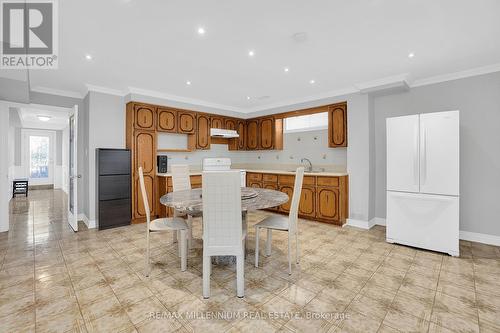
{"x": 251, "y": 53}
{"x": 188, "y": 83}
{"x": 201, "y": 31}
{"x": 44, "y": 118}
{"x": 411, "y": 55}
{"x": 286, "y": 69}
{"x": 312, "y": 82}
{"x": 248, "y": 98}
{"x": 88, "y": 57}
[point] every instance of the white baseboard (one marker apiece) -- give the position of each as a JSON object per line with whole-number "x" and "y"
{"x": 358, "y": 224}
{"x": 480, "y": 238}
{"x": 89, "y": 223}
{"x": 378, "y": 221}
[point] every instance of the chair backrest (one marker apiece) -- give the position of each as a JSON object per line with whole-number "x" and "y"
{"x": 144, "y": 195}
{"x": 180, "y": 177}
{"x": 222, "y": 222}
{"x": 297, "y": 190}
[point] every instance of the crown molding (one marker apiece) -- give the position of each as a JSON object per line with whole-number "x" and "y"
{"x": 181, "y": 99}
{"x": 400, "y": 81}
{"x": 456, "y": 75}
{"x": 51, "y": 91}
{"x": 105, "y": 90}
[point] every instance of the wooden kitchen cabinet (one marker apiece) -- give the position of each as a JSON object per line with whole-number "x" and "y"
{"x": 230, "y": 124}
{"x": 266, "y": 133}
{"x": 337, "y": 125}
{"x": 186, "y": 122}
{"x": 327, "y": 206}
{"x": 149, "y": 184}
{"x": 287, "y": 189}
{"x": 216, "y": 122}
{"x": 203, "y": 131}
{"x": 241, "y": 129}
{"x": 145, "y": 148}
{"x": 167, "y": 120}
{"x": 307, "y": 204}
{"x": 145, "y": 116}
{"x": 252, "y": 134}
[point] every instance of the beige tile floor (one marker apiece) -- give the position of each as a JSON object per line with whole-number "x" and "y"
{"x": 348, "y": 280}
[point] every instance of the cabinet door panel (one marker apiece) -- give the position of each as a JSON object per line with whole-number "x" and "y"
{"x": 144, "y": 117}
{"x": 252, "y": 133}
{"x": 251, "y": 183}
{"x": 288, "y": 189}
{"x": 307, "y": 205}
{"x": 242, "y": 132}
{"x": 167, "y": 120}
{"x": 337, "y": 126}
{"x": 150, "y": 191}
{"x": 186, "y": 122}
{"x": 145, "y": 154}
{"x": 216, "y": 122}
{"x": 327, "y": 203}
{"x": 266, "y": 133}
{"x": 203, "y": 133}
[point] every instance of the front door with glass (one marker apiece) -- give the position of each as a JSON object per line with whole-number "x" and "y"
{"x": 38, "y": 146}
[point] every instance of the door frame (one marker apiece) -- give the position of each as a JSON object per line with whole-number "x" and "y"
{"x": 25, "y": 160}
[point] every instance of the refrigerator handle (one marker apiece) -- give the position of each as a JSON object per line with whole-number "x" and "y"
{"x": 424, "y": 155}
{"x": 415, "y": 156}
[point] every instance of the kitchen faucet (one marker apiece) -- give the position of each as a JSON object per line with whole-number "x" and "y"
{"x": 310, "y": 167}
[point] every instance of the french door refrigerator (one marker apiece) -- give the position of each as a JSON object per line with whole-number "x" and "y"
{"x": 423, "y": 181}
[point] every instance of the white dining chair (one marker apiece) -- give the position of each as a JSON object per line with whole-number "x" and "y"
{"x": 282, "y": 223}
{"x": 180, "y": 182}
{"x": 223, "y": 232}
{"x": 175, "y": 224}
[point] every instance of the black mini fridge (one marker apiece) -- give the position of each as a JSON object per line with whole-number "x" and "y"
{"x": 114, "y": 197}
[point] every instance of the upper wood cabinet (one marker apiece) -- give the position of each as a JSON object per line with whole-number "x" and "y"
{"x": 203, "y": 132}
{"x": 167, "y": 120}
{"x": 337, "y": 125}
{"x": 230, "y": 124}
{"x": 216, "y": 122}
{"x": 243, "y": 135}
{"x": 186, "y": 122}
{"x": 252, "y": 134}
{"x": 145, "y": 116}
{"x": 266, "y": 133}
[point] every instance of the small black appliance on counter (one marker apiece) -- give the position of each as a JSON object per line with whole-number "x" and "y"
{"x": 114, "y": 197}
{"x": 162, "y": 162}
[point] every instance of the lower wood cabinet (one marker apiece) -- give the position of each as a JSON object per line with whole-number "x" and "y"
{"x": 327, "y": 206}
{"x": 149, "y": 184}
{"x": 307, "y": 205}
{"x": 323, "y": 198}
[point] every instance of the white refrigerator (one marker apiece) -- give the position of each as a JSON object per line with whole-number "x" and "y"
{"x": 423, "y": 181}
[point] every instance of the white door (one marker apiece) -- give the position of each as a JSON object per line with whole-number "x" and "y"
{"x": 423, "y": 220}
{"x": 38, "y": 156}
{"x": 402, "y": 154}
{"x": 439, "y": 153}
{"x": 73, "y": 170}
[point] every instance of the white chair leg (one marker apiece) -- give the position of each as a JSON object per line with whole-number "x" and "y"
{"x": 268, "y": 242}
{"x": 296, "y": 247}
{"x": 183, "y": 249}
{"x": 190, "y": 232}
{"x": 174, "y": 237}
{"x": 257, "y": 231}
{"x": 148, "y": 267}
{"x": 240, "y": 278}
{"x": 206, "y": 276}
{"x": 289, "y": 254}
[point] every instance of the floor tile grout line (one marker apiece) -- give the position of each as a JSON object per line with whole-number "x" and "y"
{"x": 435, "y": 292}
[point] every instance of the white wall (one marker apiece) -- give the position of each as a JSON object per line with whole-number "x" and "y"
{"x": 478, "y": 99}
{"x": 106, "y": 130}
{"x": 5, "y": 193}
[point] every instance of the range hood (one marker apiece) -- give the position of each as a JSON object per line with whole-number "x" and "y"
{"x": 223, "y": 133}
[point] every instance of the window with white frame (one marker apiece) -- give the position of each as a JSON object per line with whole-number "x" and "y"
{"x": 310, "y": 122}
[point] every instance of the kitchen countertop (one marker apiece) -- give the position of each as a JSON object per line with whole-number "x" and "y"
{"x": 280, "y": 172}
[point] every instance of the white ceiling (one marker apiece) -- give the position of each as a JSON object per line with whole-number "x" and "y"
{"x": 58, "y": 121}
{"x": 154, "y": 45}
